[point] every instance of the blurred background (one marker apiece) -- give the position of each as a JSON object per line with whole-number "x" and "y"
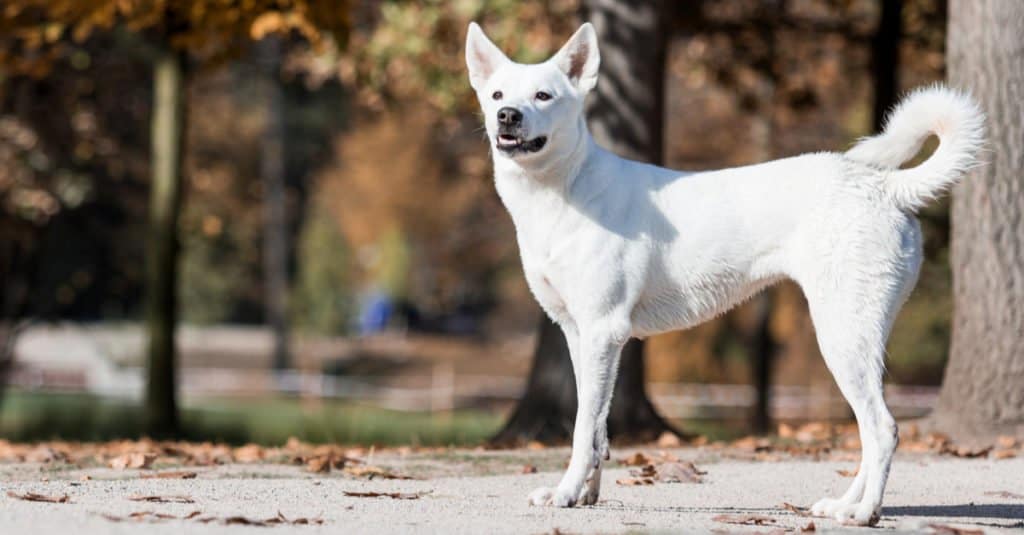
{"x": 302, "y": 191}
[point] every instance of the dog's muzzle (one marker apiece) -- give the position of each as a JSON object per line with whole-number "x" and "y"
{"x": 515, "y": 143}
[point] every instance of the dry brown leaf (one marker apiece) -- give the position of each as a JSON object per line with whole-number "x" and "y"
{"x": 248, "y": 453}
{"x": 669, "y": 439}
{"x": 529, "y": 469}
{"x": 799, "y": 511}
{"x": 34, "y": 497}
{"x": 746, "y": 520}
{"x": 392, "y": 495}
{"x": 969, "y": 452}
{"x": 848, "y": 473}
{"x": 678, "y": 472}
{"x": 1006, "y": 442}
{"x": 1004, "y": 454}
{"x": 634, "y": 481}
{"x": 534, "y": 445}
{"x": 161, "y": 499}
{"x": 44, "y": 454}
{"x": 637, "y": 459}
{"x": 132, "y": 460}
{"x": 808, "y": 528}
{"x": 1005, "y": 494}
{"x": 946, "y": 529}
{"x": 177, "y": 474}
{"x": 372, "y": 472}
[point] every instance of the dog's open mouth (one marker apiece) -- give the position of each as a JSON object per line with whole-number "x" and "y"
{"x": 511, "y": 144}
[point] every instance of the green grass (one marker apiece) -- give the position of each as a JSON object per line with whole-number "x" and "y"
{"x": 28, "y": 416}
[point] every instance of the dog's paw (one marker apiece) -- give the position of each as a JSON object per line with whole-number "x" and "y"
{"x": 857, "y": 514}
{"x": 827, "y": 507}
{"x": 541, "y": 496}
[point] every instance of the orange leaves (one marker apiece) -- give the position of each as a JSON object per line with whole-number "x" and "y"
{"x": 664, "y": 468}
{"x": 208, "y": 29}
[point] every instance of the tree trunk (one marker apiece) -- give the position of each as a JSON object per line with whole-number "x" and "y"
{"x": 625, "y": 115}
{"x": 983, "y": 390}
{"x": 885, "y": 59}
{"x": 275, "y": 217}
{"x": 168, "y": 128}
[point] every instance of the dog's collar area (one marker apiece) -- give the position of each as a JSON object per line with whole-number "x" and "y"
{"x": 512, "y": 144}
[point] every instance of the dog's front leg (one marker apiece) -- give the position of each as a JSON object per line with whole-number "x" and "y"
{"x": 595, "y": 369}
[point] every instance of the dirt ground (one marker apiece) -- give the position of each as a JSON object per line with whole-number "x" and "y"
{"x": 470, "y": 491}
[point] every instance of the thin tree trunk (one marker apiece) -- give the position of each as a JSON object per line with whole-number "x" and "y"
{"x": 885, "y": 59}
{"x": 275, "y": 217}
{"x": 168, "y": 128}
{"x": 625, "y": 115}
{"x": 983, "y": 390}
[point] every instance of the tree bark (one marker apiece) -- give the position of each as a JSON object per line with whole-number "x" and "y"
{"x": 625, "y": 114}
{"x": 275, "y": 216}
{"x": 168, "y": 129}
{"x": 885, "y": 59}
{"x": 983, "y": 391}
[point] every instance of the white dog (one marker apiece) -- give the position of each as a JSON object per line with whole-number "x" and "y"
{"x": 614, "y": 249}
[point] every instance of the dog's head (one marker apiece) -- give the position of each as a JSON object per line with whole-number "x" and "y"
{"x": 529, "y": 109}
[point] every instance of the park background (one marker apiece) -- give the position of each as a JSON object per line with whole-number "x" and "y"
{"x": 311, "y": 181}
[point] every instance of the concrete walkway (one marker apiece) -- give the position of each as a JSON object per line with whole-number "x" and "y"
{"x": 463, "y": 491}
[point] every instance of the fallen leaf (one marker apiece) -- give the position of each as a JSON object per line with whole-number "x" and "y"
{"x": 534, "y": 445}
{"x": 799, "y": 511}
{"x": 634, "y": 481}
{"x": 392, "y": 495}
{"x": 954, "y": 530}
{"x": 1006, "y": 442}
{"x": 319, "y": 465}
{"x": 248, "y": 453}
{"x": 971, "y": 451}
{"x": 1003, "y": 454}
{"x": 808, "y": 528}
{"x": 669, "y": 439}
{"x": 529, "y": 469}
{"x": 161, "y": 499}
{"x": 177, "y": 474}
{"x": 132, "y": 460}
{"x": 678, "y": 472}
{"x": 1005, "y": 494}
{"x": 33, "y": 497}
{"x": 637, "y": 459}
{"x": 85, "y": 477}
{"x": 372, "y": 472}
{"x": 44, "y": 454}
{"x": 747, "y": 520}
{"x": 848, "y": 473}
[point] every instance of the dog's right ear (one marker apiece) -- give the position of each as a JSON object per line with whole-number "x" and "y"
{"x": 482, "y": 56}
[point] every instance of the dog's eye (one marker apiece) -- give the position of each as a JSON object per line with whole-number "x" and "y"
{"x": 542, "y": 96}
{"x": 497, "y": 95}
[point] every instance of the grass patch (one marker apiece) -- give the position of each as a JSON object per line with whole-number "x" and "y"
{"x": 31, "y": 416}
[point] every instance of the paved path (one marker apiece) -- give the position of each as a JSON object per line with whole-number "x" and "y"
{"x": 458, "y": 496}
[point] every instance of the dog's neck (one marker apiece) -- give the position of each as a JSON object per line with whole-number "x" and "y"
{"x": 538, "y": 193}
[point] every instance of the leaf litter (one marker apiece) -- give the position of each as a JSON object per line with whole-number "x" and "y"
{"x": 34, "y": 497}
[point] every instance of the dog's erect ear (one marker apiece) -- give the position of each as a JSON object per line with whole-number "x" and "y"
{"x": 579, "y": 58}
{"x": 482, "y": 57}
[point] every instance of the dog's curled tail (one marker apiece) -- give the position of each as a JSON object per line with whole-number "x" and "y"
{"x": 953, "y": 116}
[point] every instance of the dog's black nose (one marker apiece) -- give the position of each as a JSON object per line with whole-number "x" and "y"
{"x": 509, "y": 116}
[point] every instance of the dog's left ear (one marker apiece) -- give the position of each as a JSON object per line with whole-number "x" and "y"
{"x": 579, "y": 58}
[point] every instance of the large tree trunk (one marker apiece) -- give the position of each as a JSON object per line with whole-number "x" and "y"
{"x": 275, "y": 217}
{"x": 625, "y": 115}
{"x": 168, "y": 128}
{"x": 983, "y": 390}
{"x": 885, "y": 59}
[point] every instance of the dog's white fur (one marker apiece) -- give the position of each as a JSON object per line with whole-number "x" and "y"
{"x": 614, "y": 249}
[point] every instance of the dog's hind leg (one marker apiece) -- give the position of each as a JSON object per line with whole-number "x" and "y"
{"x": 852, "y": 315}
